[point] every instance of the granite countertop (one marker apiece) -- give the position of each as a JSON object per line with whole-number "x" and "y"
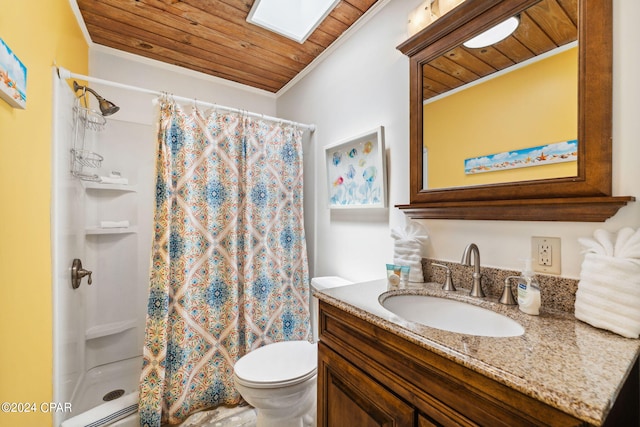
{"x": 559, "y": 360}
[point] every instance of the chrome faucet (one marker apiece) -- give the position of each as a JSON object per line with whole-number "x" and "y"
{"x": 476, "y": 287}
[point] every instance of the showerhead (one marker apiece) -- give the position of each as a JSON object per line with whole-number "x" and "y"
{"x": 107, "y": 108}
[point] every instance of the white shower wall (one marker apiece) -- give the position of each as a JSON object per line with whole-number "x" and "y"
{"x": 67, "y": 243}
{"x": 116, "y": 305}
{"x": 99, "y": 328}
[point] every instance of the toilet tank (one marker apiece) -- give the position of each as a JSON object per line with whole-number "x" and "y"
{"x": 319, "y": 284}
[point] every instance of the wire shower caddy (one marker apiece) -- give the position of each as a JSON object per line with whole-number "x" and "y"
{"x": 85, "y": 118}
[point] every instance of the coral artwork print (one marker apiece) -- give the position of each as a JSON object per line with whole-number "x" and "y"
{"x": 355, "y": 171}
{"x": 559, "y": 152}
{"x": 13, "y": 78}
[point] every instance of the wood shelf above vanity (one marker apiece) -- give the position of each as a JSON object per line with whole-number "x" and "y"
{"x": 581, "y": 209}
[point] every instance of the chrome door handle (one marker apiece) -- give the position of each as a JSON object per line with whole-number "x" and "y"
{"x": 77, "y": 273}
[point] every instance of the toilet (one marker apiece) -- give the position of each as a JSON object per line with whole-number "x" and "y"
{"x": 279, "y": 379}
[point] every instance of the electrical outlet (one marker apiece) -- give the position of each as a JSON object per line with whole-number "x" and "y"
{"x": 545, "y": 252}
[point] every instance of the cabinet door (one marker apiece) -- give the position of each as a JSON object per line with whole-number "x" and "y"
{"x": 348, "y": 397}
{"x": 425, "y": 422}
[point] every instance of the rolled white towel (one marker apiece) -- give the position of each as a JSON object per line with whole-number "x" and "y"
{"x": 114, "y": 224}
{"x": 622, "y": 273}
{"x": 621, "y": 240}
{"x": 591, "y": 246}
{"x": 608, "y": 295}
{"x": 114, "y": 180}
{"x": 606, "y": 239}
{"x": 629, "y": 247}
{"x": 414, "y": 244}
{"x": 396, "y": 234}
{"x": 604, "y": 316}
{"x": 623, "y": 244}
{"x": 408, "y": 247}
{"x": 415, "y": 256}
{"x": 415, "y": 275}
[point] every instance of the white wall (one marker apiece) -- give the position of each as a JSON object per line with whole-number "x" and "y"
{"x": 113, "y": 65}
{"x": 364, "y": 83}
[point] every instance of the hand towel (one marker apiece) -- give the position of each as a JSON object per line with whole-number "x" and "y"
{"x": 608, "y": 295}
{"x": 408, "y": 248}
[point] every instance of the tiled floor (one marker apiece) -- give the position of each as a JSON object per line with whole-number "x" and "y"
{"x": 239, "y": 416}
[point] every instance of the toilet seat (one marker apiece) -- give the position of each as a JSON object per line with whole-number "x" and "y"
{"x": 277, "y": 365}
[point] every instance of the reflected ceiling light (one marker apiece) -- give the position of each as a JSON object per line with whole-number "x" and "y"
{"x": 293, "y": 19}
{"x": 494, "y": 34}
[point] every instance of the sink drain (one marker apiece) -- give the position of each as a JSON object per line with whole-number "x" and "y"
{"x": 113, "y": 394}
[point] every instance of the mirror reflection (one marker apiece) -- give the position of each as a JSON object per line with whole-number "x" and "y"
{"x": 508, "y": 111}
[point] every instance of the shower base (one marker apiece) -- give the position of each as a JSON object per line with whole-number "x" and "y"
{"x": 101, "y": 384}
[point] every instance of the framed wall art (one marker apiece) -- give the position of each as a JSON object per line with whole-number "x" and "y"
{"x": 356, "y": 171}
{"x": 13, "y": 78}
{"x": 559, "y": 152}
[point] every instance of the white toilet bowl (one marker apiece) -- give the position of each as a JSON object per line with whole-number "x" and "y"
{"x": 279, "y": 381}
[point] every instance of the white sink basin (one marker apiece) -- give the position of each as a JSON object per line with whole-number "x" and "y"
{"x": 452, "y": 315}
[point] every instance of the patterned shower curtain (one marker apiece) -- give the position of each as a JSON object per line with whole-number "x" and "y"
{"x": 229, "y": 264}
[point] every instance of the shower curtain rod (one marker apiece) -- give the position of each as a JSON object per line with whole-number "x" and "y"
{"x": 65, "y": 74}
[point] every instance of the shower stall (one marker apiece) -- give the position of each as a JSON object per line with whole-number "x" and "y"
{"x": 102, "y": 211}
{"x": 108, "y": 225}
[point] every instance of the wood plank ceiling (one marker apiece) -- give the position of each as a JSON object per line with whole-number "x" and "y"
{"x": 213, "y": 36}
{"x": 543, "y": 27}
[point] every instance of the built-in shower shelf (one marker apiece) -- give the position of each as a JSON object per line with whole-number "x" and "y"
{"x": 110, "y": 329}
{"x": 90, "y": 185}
{"x": 92, "y": 231}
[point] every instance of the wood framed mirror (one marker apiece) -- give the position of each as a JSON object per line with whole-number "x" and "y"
{"x": 582, "y": 195}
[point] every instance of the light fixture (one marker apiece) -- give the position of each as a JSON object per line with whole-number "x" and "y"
{"x": 420, "y": 17}
{"x": 293, "y": 19}
{"x": 494, "y": 34}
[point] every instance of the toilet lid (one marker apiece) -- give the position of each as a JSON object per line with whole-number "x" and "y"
{"x": 283, "y": 363}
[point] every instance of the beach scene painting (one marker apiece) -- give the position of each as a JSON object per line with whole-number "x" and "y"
{"x": 559, "y": 152}
{"x": 356, "y": 171}
{"x": 13, "y": 78}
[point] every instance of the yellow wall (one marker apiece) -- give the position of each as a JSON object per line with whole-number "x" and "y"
{"x": 497, "y": 116}
{"x": 39, "y": 32}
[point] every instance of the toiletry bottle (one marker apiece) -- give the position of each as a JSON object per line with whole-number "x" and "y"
{"x": 528, "y": 291}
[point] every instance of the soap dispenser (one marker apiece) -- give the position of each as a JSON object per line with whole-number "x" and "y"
{"x": 528, "y": 291}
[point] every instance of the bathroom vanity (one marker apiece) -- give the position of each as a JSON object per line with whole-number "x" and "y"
{"x": 375, "y": 368}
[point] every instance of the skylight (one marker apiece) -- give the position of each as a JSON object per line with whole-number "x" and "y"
{"x": 294, "y": 19}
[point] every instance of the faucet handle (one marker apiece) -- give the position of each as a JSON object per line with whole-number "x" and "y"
{"x": 507, "y": 293}
{"x": 448, "y": 282}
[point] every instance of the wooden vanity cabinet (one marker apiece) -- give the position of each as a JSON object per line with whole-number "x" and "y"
{"x": 368, "y": 376}
{"x": 352, "y": 398}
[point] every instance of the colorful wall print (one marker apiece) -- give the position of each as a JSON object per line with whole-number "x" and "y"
{"x": 559, "y": 152}
{"x": 356, "y": 171}
{"x": 13, "y": 78}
